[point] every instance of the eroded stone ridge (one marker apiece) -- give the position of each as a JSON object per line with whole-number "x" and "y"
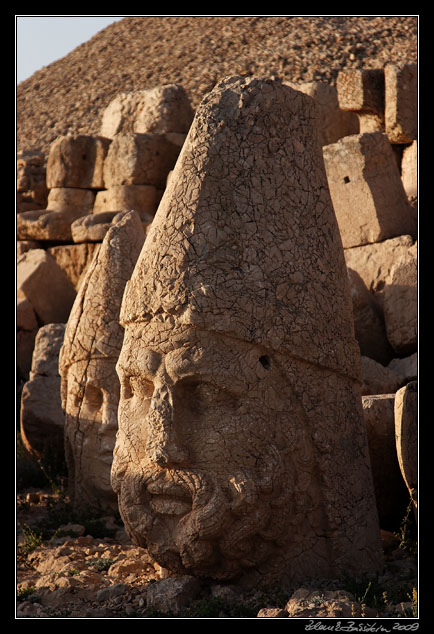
{"x": 89, "y": 384}
{"x": 241, "y": 451}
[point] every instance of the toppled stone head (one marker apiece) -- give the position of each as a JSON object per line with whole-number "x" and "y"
{"x": 87, "y": 365}
{"x": 241, "y": 451}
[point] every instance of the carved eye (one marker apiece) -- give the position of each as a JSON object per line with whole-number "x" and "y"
{"x": 93, "y": 397}
{"x": 135, "y": 386}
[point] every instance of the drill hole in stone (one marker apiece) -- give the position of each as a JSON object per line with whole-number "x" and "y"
{"x": 265, "y": 362}
{"x": 346, "y": 179}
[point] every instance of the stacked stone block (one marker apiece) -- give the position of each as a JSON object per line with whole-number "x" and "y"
{"x": 385, "y": 100}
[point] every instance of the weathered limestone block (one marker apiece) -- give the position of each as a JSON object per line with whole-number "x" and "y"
{"x": 41, "y": 280}
{"x": 32, "y": 190}
{"x": 400, "y": 84}
{"x": 172, "y": 594}
{"x": 77, "y": 161}
{"x": 369, "y": 327}
{"x": 94, "y": 227}
{"x": 406, "y": 368}
{"x": 400, "y": 305}
{"x": 409, "y": 170}
{"x": 406, "y": 434}
{"x": 41, "y": 417}
{"x": 141, "y": 159}
{"x": 156, "y": 110}
{"x": 141, "y": 198}
{"x": 378, "y": 379}
{"x": 27, "y": 327}
{"x": 242, "y": 451}
{"x": 333, "y": 123}
{"x": 64, "y": 206}
{"x": 74, "y": 259}
{"x": 89, "y": 385}
{"x": 390, "y": 490}
{"x": 374, "y": 262}
{"x": 26, "y": 245}
{"x": 362, "y": 91}
{"x": 366, "y": 189}
{"x": 77, "y": 202}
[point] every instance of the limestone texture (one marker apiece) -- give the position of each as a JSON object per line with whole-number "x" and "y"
{"x": 93, "y": 228}
{"x": 361, "y": 91}
{"x": 141, "y": 198}
{"x": 390, "y": 490}
{"x": 401, "y": 106}
{"x": 401, "y": 304}
{"x": 333, "y": 123}
{"x": 407, "y": 435}
{"x": 89, "y": 384}
{"x": 409, "y": 171}
{"x": 74, "y": 259}
{"x": 77, "y": 161}
{"x": 161, "y": 109}
{"x": 241, "y": 451}
{"x": 41, "y": 280}
{"x": 366, "y": 189}
{"x": 41, "y": 416}
{"x": 141, "y": 159}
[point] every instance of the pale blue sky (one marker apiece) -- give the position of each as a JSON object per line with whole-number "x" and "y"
{"x": 43, "y": 39}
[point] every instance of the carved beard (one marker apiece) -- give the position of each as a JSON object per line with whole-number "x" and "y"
{"x": 219, "y": 531}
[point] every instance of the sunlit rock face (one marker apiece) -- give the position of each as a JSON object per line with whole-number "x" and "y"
{"x": 87, "y": 365}
{"x": 241, "y": 451}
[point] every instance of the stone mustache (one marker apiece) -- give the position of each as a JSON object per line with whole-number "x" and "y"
{"x": 241, "y": 451}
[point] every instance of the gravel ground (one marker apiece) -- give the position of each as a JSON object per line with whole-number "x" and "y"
{"x": 69, "y": 95}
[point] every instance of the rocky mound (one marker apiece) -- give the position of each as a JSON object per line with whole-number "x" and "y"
{"x": 69, "y": 95}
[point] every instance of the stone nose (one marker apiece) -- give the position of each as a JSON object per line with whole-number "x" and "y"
{"x": 163, "y": 445}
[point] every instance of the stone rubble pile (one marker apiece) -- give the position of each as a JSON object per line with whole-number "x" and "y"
{"x": 368, "y": 135}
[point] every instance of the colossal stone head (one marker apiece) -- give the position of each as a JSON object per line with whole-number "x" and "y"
{"x": 241, "y": 451}
{"x": 87, "y": 365}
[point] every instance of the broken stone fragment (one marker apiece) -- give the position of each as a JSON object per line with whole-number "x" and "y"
{"x": 141, "y": 198}
{"x": 401, "y": 305}
{"x": 369, "y": 327}
{"x": 41, "y": 280}
{"x": 74, "y": 259}
{"x": 390, "y": 490}
{"x": 401, "y": 102}
{"x": 378, "y": 379}
{"x": 156, "y": 110}
{"x": 406, "y": 433}
{"x": 77, "y": 161}
{"x": 332, "y": 121}
{"x": 362, "y": 91}
{"x": 141, "y": 159}
{"x": 41, "y": 418}
{"x": 93, "y": 228}
{"x": 409, "y": 172}
{"x": 366, "y": 189}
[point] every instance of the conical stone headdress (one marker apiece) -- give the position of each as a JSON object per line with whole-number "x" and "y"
{"x": 245, "y": 241}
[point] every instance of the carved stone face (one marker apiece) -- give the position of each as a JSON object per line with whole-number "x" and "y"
{"x": 203, "y": 462}
{"x": 91, "y": 424}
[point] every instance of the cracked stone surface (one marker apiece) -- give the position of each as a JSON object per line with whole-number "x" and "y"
{"x": 241, "y": 451}
{"x": 89, "y": 384}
